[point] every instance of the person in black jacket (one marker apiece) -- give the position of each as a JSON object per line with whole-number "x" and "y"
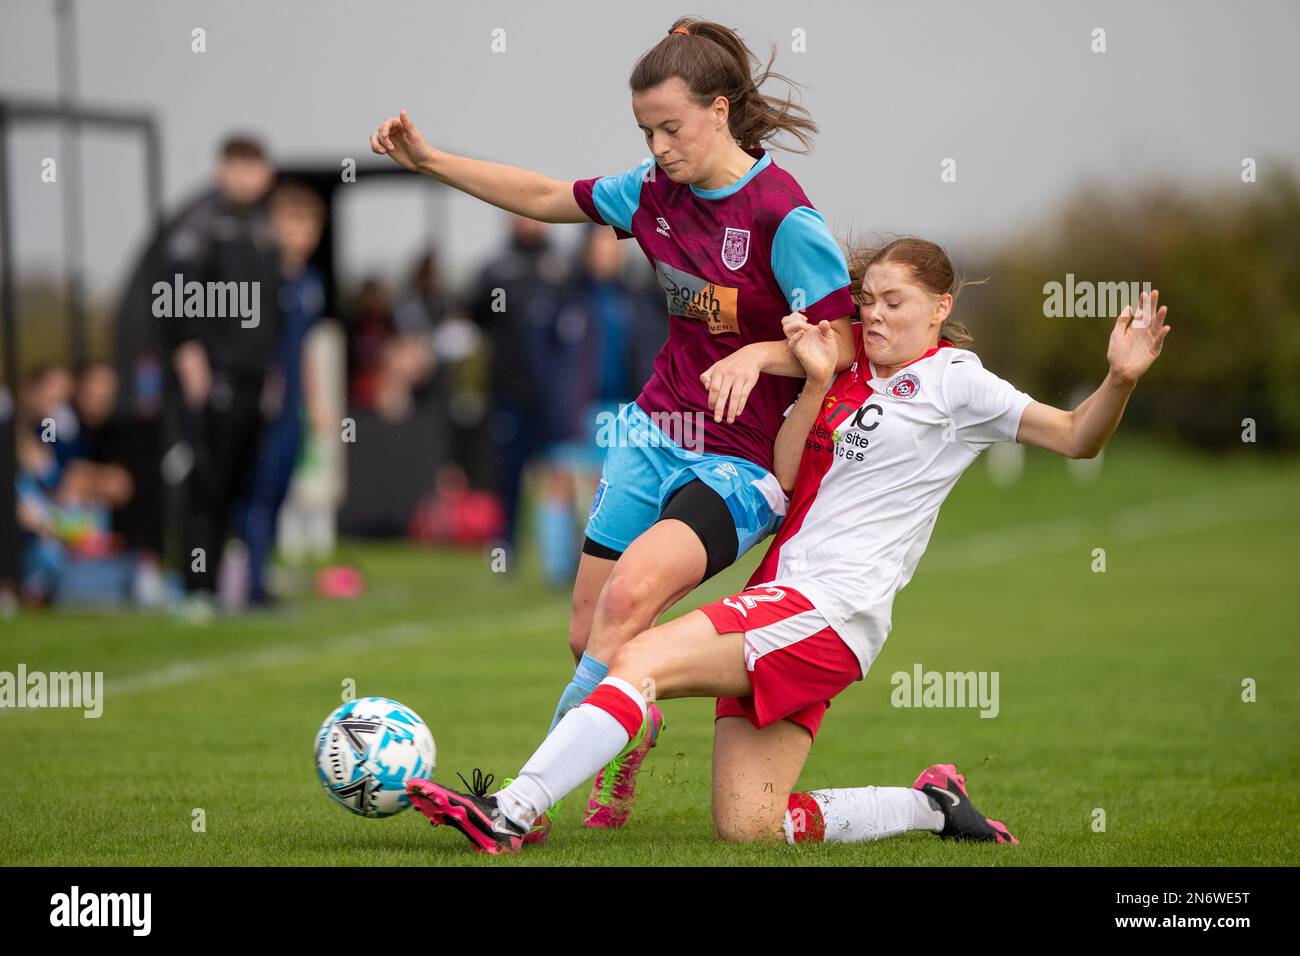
{"x": 223, "y": 248}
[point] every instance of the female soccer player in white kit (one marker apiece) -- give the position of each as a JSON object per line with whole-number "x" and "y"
{"x": 870, "y": 455}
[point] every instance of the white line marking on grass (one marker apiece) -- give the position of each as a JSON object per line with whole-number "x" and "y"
{"x": 402, "y": 634}
{"x": 1137, "y": 523}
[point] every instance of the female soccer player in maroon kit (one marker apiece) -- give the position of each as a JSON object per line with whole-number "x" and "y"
{"x": 687, "y": 484}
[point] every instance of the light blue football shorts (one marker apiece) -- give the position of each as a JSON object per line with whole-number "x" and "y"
{"x": 644, "y": 466}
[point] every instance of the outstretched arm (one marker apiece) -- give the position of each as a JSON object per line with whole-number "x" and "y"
{"x": 516, "y": 190}
{"x": 1134, "y": 345}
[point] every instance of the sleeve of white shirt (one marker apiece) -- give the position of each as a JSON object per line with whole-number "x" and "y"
{"x": 984, "y": 408}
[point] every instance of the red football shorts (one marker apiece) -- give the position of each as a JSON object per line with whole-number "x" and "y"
{"x": 796, "y": 661}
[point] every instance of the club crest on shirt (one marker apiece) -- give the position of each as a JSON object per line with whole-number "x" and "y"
{"x": 904, "y": 386}
{"x": 735, "y": 248}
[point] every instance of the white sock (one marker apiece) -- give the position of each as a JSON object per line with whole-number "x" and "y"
{"x": 586, "y": 738}
{"x": 858, "y": 814}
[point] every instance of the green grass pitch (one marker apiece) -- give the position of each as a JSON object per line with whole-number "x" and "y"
{"x": 1119, "y": 690}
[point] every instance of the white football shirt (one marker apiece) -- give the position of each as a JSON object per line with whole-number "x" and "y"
{"x": 876, "y": 466}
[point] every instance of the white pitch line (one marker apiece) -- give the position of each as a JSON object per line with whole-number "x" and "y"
{"x": 401, "y": 634}
{"x": 1137, "y": 523}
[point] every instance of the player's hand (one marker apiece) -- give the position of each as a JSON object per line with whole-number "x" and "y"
{"x": 1137, "y": 338}
{"x": 730, "y": 380}
{"x": 815, "y": 346}
{"x": 399, "y": 138}
{"x": 794, "y": 322}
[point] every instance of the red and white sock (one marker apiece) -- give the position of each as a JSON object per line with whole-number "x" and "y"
{"x": 588, "y": 737}
{"x": 858, "y": 814}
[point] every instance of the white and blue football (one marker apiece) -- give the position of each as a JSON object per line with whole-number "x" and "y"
{"x": 367, "y": 750}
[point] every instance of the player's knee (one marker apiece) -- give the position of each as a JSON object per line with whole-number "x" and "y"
{"x": 634, "y": 659}
{"x": 727, "y": 829}
{"x": 734, "y": 828}
{"x": 629, "y": 597}
{"x": 741, "y": 816}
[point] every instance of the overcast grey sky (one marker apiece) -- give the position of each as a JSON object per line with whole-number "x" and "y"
{"x": 1011, "y": 90}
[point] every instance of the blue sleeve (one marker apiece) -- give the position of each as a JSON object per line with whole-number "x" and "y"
{"x": 616, "y": 198}
{"x": 807, "y": 261}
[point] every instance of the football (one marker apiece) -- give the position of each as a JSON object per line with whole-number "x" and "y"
{"x": 366, "y": 751}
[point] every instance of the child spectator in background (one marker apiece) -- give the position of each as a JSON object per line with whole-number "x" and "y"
{"x": 65, "y": 499}
{"x": 121, "y": 439}
{"x": 297, "y": 216}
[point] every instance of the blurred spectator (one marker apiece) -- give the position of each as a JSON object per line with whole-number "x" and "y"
{"x": 44, "y": 553}
{"x": 297, "y": 215}
{"x": 459, "y": 386}
{"x": 100, "y": 437}
{"x": 418, "y": 401}
{"x": 526, "y": 302}
{"x": 404, "y": 368}
{"x": 423, "y": 310}
{"x": 221, "y": 363}
{"x": 126, "y": 442}
{"x": 109, "y": 436}
{"x": 625, "y": 327}
{"x": 307, "y": 522}
{"x": 48, "y": 414}
{"x": 94, "y": 399}
{"x": 51, "y": 392}
{"x": 64, "y": 500}
{"x": 370, "y": 328}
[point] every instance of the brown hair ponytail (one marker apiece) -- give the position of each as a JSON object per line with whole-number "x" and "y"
{"x": 712, "y": 60}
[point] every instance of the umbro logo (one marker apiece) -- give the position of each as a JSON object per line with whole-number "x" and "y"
{"x": 663, "y": 225}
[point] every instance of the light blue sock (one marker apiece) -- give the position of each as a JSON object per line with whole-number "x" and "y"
{"x": 555, "y": 542}
{"x": 589, "y": 673}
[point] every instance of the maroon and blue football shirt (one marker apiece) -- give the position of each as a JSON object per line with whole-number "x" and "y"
{"x": 732, "y": 262}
